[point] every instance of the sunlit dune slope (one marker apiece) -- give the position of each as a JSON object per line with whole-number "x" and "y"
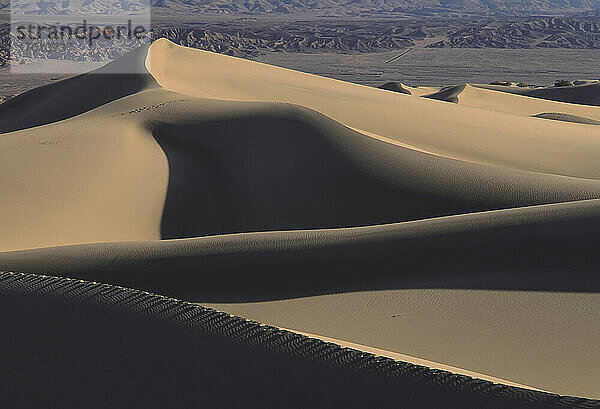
{"x": 229, "y": 167}
{"x": 467, "y": 133}
{"x": 585, "y": 94}
{"x": 479, "y": 97}
{"x": 216, "y": 179}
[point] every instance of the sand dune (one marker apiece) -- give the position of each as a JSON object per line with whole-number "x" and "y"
{"x": 153, "y": 351}
{"x": 420, "y": 91}
{"x": 72, "y": 96}
{"x": 289, "y": 175}
{"x": 478, "y": 97}
{"x": 584, "y": 94}
{"x": 448, "y": 130}
{"x": 557, "y": 116}
{"x": 269, "y": 265}
{"x": 448, "y": 94}
{"x": 407, "y": 358}
{"x": 269, "y": 192}
{"x": 396, "y": 87}
{"x": 87, "y": 179}
{"x": 477, "y": 329}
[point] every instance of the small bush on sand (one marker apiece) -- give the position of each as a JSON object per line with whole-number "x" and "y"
{"x": 563, "y": 83}
{"x": 523, "y": 85}
{"x": 505, "y": 83}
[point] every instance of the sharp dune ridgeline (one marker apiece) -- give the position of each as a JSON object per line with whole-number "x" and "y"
{"x": 388, "y": 221}
{"x": 584, "y": 94}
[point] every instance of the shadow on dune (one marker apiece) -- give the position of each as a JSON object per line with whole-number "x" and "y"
{"x": 448, "y": 94}
{"x": 548, "y": 249}
{"x": 286, "y": 168}
{"x": 75, "y": 342}
{"x": 557, "y": 116}
{"x": 76, "y": 95}
{"x": 396, "y": 87}
{"x": 586, "y": 94}
{"x": 278, "y": 172}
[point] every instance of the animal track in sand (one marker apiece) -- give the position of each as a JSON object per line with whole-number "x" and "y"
{"x": 151, "y": 107}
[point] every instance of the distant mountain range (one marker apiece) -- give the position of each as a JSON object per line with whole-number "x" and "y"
{"x": 86, "y": 7}
{"x": 381, "y": 7}
{"x": 253, "y": 37}
{"x": 316, "y": 7}
{"x": 549, "y": 32}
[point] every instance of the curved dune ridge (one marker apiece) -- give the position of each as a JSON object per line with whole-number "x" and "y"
{"x": 67, "y": 98}
{"x": 558, "y": 116}
{"x": 154, "y": 351}
{"x": 583, "y": 94}
{"x": 448, "y": 94}
{"x": 396, "y": 87}
{"x": 321, "y": 206}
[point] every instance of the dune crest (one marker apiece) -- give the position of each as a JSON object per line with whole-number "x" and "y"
{"x": 559, "y": 116}
{"x": 396, "y": 87}
{"x": 467, "y": 133}
{"x": 216, "y": 179}
{"x": 78, "y": 94}
{"x": 448, "y": 94}
{"x": 587, "y": 93}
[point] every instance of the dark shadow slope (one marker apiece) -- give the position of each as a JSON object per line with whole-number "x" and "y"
{"x": 454, "y": 224}
{"x": 587, "y": 94}
{"x": 557, "y": 116}
{"x": 277, "y": 172}
{"x": 75, "y": 95}
{"x": 396, "y": 87}
{"x": 448, "y": 94}
{"x": 552, "y": 247}
{"x": 75, "y": 344}
{"x": 288, "y": 168}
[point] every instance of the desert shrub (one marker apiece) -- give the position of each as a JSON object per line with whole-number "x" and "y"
{"x": 563, "y": 83}
{"x": 522, "y": 85}
{"x": 505, "y": 83}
